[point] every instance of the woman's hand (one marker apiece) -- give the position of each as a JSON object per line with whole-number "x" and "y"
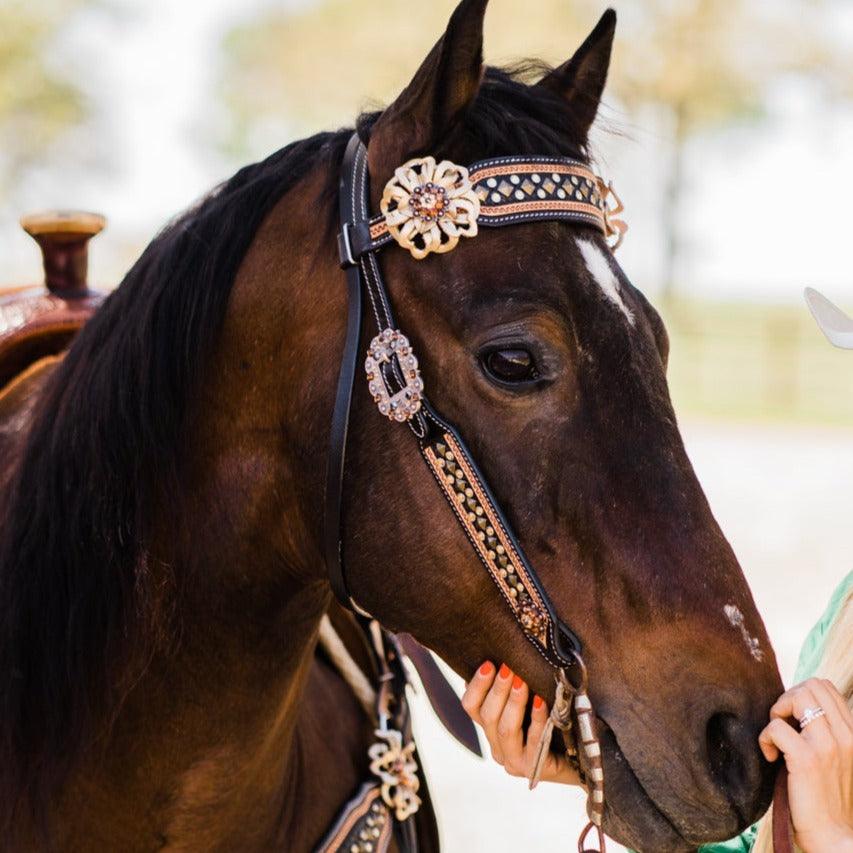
{"x": 497, "y": 702}
{"x": 819, "y": 758}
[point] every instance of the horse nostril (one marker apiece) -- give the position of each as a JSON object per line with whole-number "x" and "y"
{"x": 735, "y": 763}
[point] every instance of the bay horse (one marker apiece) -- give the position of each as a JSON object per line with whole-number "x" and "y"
{"x": 162, "y": 577}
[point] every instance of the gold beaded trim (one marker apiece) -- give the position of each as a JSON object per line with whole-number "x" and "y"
{"x": 473, "y": 508}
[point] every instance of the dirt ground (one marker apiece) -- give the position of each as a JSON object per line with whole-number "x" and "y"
{"x": 783, "y": 497}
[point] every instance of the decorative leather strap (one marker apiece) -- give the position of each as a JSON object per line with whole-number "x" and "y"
{"x": 783, "y": 833}
{"x": 364, "y": 825}
{"x": 510, "y": 190}
{"x": 478, "y": 512}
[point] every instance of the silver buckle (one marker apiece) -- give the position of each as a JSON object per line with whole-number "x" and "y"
{"x": 387, "y": 346}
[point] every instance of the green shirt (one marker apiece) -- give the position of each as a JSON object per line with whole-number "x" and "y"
{"x": 810, "y": 656}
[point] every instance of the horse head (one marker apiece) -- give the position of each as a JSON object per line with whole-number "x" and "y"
{"x": 535, "y": 344}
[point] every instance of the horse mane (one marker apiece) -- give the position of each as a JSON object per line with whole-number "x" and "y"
{"x": 81, "y": 605}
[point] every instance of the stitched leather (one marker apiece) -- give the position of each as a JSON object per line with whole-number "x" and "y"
{"x": 555, "y": 641}
{"x": 343, "y": 398}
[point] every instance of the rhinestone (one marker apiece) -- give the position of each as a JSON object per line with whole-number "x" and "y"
{"x": 370, "y": 821}
{"x": 375, "y": 833}
{"x": 490, "y": 555}
{"x": 536, "y": 178}
{"x": 481, "y": 536}
{"x": 528, "y": 187}
{"x": 471, "y": 517}
{"x": 354, "y": 848}
{"x": 555, "y": 178}
{"x": 363, "y": 835}
{"x": 460, "y": 497}
{"x": 368, "y": 847}
{"x": 561, "y": 193}
{"x": 549, "y": 186}
{"x": 541, "y": 193}
{"x": 449, "y": 480}
{"x": 447, "y": 455}
{"x": 492, "y": 183}
{"x": 574, "y": 179}
{"x": 469, "y": 493}
{"x": 505, "y": 189}
{"x": 515, "y": 179}
{"x": 503, "y": 573}
{"x": 500, "y": 549}
{"x": 479, "y": 510}
{"x": 519, "y": 195}
{"x": 490, "y": 531}
{"x": 513, "y": 592}
{"x": 496, "y": 198}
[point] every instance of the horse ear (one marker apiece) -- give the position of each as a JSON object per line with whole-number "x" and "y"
{"x": 438, "y": 95}
{"x": 581, "y": 79}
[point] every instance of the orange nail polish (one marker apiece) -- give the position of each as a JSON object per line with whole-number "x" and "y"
{"x": 487, "y": 668}
{"x": 538, "y": 702}
{"x": 517, "y": 683}
{"x": 504, "y": 671}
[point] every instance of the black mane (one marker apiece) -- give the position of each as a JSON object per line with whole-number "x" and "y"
{"x": 79, "y": 602}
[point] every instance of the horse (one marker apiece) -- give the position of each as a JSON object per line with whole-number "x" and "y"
{"x": 162, "y": 565}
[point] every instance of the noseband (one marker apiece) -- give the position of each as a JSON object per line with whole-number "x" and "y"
{"x": 427, "y": 207}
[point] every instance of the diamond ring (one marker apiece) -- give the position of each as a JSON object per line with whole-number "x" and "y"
{"x": 810, "y": 715}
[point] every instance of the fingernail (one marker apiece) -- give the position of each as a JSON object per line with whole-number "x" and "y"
{"x": 504, "y": 671}
{"x": 517, "y": 683}
{"x": 538, "y": 702}
{"x": 487, "y": 668}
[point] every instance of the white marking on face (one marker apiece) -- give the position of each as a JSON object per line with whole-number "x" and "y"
{"x": 736, "y": 619}
{"x": 600, "y": 269}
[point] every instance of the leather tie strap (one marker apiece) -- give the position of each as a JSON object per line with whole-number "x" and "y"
{"x": 783, "y": 833}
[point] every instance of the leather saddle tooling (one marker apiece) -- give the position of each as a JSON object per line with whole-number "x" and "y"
{"x": 427, "y": 207}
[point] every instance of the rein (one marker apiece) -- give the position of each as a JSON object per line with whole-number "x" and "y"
{"x": 427, "y": 207}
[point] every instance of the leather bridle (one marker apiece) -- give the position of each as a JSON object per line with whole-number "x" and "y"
{"x": 427, "y": 207}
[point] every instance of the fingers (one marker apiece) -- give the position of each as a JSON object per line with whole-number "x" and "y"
{"x": 538, "y": 718}
{"x": 510, "y": 729}
{"x": 778, "y": 737}
{"x": 476, "y": 690}
{"x": 809, "y": 695}
{"x": 492, "y": 708}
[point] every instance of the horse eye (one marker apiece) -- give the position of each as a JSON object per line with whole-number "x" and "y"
{"x": 510, "y": 365}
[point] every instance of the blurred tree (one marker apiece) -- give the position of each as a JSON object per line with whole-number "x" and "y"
{"x": 37, "y": 103}
{"x": 698, "y": 64}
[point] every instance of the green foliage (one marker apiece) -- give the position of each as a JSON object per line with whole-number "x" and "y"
{"x": 37, "y": 102}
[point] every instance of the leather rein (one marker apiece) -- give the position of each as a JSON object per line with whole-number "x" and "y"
{"x": 426, "y": 208}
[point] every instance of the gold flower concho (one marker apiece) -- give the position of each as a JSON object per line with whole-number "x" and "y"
{"x": 428, "y": 207}
{"x": 397, "y": 770}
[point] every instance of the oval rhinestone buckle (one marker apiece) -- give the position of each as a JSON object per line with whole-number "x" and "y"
{"x": 391, "y": 347}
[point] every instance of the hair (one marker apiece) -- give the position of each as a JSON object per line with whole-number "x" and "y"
{"x": 836, "y": 665}
{"x": 82, "y": 603}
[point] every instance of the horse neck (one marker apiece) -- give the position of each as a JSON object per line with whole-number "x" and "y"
{"x": 213, "y": 727}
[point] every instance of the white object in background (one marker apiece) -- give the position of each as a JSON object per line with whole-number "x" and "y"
{"x": 833, "y": 322}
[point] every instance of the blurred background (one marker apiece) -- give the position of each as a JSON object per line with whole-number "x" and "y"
{"x": 727, "y": 128}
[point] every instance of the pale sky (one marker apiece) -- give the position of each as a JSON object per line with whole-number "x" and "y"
{"x": 767, "y": 204}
